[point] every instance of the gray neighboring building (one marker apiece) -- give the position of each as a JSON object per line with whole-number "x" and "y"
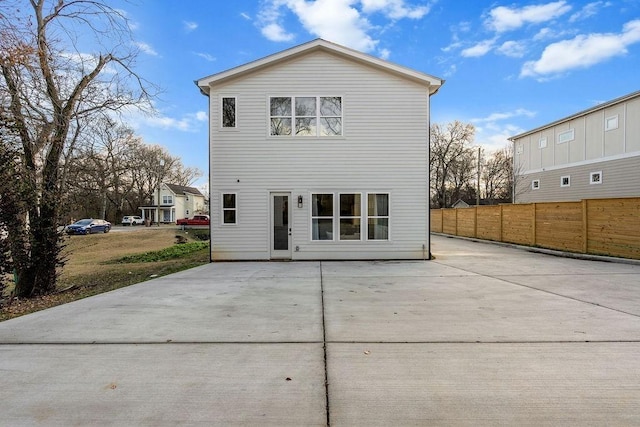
{"x": 592, "y": 154}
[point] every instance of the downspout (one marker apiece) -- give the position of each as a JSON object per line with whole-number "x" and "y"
{"x": 207, "y": 94}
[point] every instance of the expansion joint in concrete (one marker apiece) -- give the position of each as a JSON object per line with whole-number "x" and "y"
{"x": 324, "y": 349}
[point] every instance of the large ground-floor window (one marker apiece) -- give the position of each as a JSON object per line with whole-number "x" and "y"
{"x": 343, "y": 219}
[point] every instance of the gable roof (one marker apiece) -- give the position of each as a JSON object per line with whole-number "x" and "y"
{"x": 433, "y": 83}
{"x": 579, "y": 114}
{"x": 179, "y": 189}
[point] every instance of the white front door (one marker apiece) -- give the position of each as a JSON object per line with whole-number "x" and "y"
{"x": 280, "y": 225}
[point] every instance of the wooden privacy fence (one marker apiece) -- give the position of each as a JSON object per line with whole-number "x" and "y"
{"x": 595, "y": 226}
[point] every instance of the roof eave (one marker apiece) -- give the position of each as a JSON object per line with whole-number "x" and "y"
{"x": 432, "y": 82}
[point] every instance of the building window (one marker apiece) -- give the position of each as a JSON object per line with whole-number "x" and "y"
{"x": 322, "y": 217}
{"x": 167, "y": 200}
{"x": 595, "y": 177}
{"x": 566, "y": 136}
{"x": 228, "y": 112}
{"x": 535, "y": 184}
{"x": 542, "y": 142}
{"x": 305, "y": 116}
{"x": 378, "y": 216}
{"x": 611, "y": 123}
{"x": 565, "y": 181}
{"x": 350, "y": 216}
{"x": 229, "y": 208}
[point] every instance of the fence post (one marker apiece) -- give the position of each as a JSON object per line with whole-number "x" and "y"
{"x": 501, "y": 224}
{"x": 585, "y": 226}
{"x": 475, "y": 223}
{"x": 533, "y": 228}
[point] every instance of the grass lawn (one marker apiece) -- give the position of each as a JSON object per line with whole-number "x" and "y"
{"x": 99, "y": 263}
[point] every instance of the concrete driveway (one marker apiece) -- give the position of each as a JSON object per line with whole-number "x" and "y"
{"x": 483, "y": 335}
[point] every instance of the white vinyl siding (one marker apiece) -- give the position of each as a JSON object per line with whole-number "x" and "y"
{"x": 384, "y": 146}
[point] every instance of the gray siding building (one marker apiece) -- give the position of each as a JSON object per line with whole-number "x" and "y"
{"x": 592, "y": 154}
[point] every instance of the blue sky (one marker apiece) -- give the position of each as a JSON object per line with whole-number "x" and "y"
{"x": 509, "y": 66}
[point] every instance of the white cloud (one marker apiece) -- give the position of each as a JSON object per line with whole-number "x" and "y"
{"x": 512, "y": 49}
{"x": 276, "y": 33}
{"x": 385, "y": 53}
{"x": 341, "y": 21}
{"x": 395, "y": 9}
{"x": 582, "y": 51}
{"x": 589, "y": 10}
{"x": 146, "y": 48}
{"x": 206, "y": 56}
{"x": 497, "y": 137}
{"x": 245, "y": 16}
{"x": 187, "y": 123}
{"x": 504, "y": 18}
{"x": 494, "y": 117}
{"x": 189, "y": 26}
{"x": 480, "y": 49}
{"x": 334, "y": 20}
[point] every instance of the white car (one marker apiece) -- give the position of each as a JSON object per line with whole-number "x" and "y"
{"x": 132, "y": 220}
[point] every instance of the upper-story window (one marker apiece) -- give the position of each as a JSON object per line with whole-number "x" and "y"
{"x": 611, "y": 123}
{"x": 167, "y": 200}
{"x": 566, "y": 136}
{"x": 542, "y": 142}
{"x": 228, "y": 112}
{"x": 305, "y": 116}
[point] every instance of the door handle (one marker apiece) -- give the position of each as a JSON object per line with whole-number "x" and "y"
{"x": 289, "y": 232}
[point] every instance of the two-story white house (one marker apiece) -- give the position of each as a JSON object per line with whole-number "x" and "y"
{"x": 319, "y": 152}
{"x": 173, "y": 202}
{"x": 592, "y": 154}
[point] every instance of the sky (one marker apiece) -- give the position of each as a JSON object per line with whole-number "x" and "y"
{"x": 508, "y": 67}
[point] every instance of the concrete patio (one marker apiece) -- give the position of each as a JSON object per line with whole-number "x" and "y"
{"x": 482, "y": 335}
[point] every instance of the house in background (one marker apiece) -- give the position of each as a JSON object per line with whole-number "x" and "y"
{"x": 592, "y": 154}
{"x": 319, "y": 152}
{"x": 176, "y": 201}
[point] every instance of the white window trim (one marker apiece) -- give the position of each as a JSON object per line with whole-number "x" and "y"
{"x": 542, "y": 142}
{"x": 607, "y": 120}
{"x": 228, "y": 128}
{"x": 168, "y": 198}
{"x": 591, "y": 176}
{"x": 562, "y": 178}
{"x": 223, "y": 209}
{"x": 367, "y": 216}
{"x": 535, "y": 184}
{"x": 293, "y": 118}
{"x": 570, "y": 132}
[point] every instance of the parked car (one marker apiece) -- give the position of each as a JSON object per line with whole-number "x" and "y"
{"x": 132, "y": 220}
{"x": 89, "y": 226}
{"x": 196, "y": 220}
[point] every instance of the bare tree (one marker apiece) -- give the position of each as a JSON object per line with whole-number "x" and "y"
{"x": 452, "y": 161}
{"x": 497, "y": 176}
{"x": 48, "y": 87}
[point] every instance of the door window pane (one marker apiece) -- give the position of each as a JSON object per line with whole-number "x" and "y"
{"x": 280, "y": 223}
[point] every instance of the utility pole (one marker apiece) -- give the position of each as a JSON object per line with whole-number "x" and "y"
{"x": 478, "y": 189}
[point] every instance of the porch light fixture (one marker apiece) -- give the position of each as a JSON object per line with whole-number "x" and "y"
{"x": 300, "y": 201}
